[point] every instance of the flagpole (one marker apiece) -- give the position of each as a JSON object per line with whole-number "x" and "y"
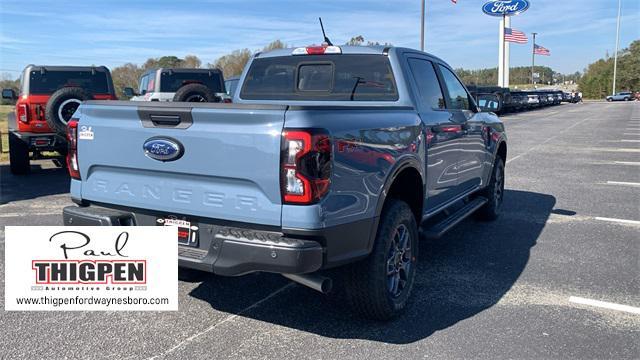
{"x": 504, "y": 54}
{"x": 422, "y": 27}
{"x": 533, "y": 58}
{"x": 615, "y": 56}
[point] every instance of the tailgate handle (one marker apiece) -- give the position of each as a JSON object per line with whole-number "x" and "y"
{"x": 162, "y": 116}
{"x": 167, "y": 120}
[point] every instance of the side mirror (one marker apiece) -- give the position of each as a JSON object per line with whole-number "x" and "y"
{"x": 488, "y": 102}
{"x": 129, "y": 92}
{"x": 9, "y": 94}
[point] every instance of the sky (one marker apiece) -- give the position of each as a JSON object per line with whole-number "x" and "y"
{"x": 111, "y": 33}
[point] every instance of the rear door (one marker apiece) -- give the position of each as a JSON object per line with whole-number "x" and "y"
{"x": 442, "y": 133}
{"x": 471, "y": 151}
{"x": 228, "y": 169}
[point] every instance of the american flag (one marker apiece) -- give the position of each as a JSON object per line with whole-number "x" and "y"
{"x": 513, "y": 35}
{"x": 539, "y": 50}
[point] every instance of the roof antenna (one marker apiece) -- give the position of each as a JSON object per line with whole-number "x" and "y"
{"x": 326, "y": 39}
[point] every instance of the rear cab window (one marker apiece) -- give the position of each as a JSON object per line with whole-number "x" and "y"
{"x": 340, "y": 77}
{"x": 171, "y": 81}
{"x": 48, "y": 82}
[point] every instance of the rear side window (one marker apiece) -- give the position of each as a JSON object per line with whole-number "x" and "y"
{"x": 321, "y": 77}
{"x": 172, "y": 81}
{"x": 458, "y": 97}
{"x": 427, "y": 82}
{"x": 48, "y": 82}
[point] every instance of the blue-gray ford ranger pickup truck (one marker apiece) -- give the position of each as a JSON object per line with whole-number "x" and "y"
{"x": 328, "y": 161}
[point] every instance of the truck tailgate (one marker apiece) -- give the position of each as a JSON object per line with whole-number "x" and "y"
{"x": 229, "y": 168}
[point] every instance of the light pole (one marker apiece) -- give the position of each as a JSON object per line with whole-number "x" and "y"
{"x": 615, "y": 56}
{"x": 533, "y": 58}
{"x": 422, "y": 27}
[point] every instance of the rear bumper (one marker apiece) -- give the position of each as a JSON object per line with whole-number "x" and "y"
{"x": 42, "y": 141}
{"x": 231, "y": 250}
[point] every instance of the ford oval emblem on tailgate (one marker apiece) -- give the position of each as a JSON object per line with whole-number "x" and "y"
{"x": 163, "y": 149}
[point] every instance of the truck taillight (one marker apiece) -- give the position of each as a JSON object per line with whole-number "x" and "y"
{"x": 305, "y": 165}
{"x": 72, "y": 152}
{"x": 23, "y": 113}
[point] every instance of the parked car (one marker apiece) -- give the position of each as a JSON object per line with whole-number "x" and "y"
{"x": 328, "y": 158}
{"x": 519, "y": 100}
{"x": 48, "y": 97}
{"x": 190, "y": 85}
{"x": 621, "y": 96}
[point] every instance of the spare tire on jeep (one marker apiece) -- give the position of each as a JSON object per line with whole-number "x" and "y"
{"x": 61, "y": 106}
{"x": 195, "y": 93}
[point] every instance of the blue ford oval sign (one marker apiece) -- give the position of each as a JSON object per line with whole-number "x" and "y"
{"x": 505, "y": 7}
{"x": 163, "y": 149}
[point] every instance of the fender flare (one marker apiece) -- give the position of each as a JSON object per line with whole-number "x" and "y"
{"x": 398, "y": 167}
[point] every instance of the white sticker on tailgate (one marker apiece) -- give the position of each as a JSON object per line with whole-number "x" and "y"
{"x": 85, "y": 133}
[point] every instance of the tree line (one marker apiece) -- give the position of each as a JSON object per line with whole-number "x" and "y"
{"x": 597, "y": 81}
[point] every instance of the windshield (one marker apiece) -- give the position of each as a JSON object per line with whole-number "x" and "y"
{"x": 321, "y": 77}
{"x": 171, "y": 81}
{"x": 48, "y": 82}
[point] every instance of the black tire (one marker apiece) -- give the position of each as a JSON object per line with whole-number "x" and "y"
{"x": 195, "y": 93}
{"x": 19, "y": 163}
{"x": 61, "y": 106}
{"x": 609, "y": 100}
{"x": 368, "y": 282}
{"x": 494, "y": 192}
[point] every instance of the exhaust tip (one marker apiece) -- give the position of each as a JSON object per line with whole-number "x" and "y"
{"x": 318, "y": 283}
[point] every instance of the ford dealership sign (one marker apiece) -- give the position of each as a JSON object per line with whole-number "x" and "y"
{"x": 505, "y": 7}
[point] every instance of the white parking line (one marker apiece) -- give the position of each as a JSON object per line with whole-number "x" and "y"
{"x": 604, "y": 304}
{"x": 627, "y": 163}
{"x": 620, "y": 221}
{"x": 623, "y": 183}
{"x": 630, "y": 140}
{"x": 635, "y": 134}
{"x": 225, "y": 320}
{"x": 548, "y": 140}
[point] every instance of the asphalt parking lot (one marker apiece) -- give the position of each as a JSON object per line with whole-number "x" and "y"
{"x": 520, "y": 287}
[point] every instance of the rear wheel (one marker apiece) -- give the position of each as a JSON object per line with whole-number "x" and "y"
{"x": 494, "y": 192}
{"x": 379, "y": 287}
{"x": 18, "y": 155}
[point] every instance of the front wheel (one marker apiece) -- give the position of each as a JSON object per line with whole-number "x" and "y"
{"x": 379, "y": 286}
{"x": 494, "y": 192}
